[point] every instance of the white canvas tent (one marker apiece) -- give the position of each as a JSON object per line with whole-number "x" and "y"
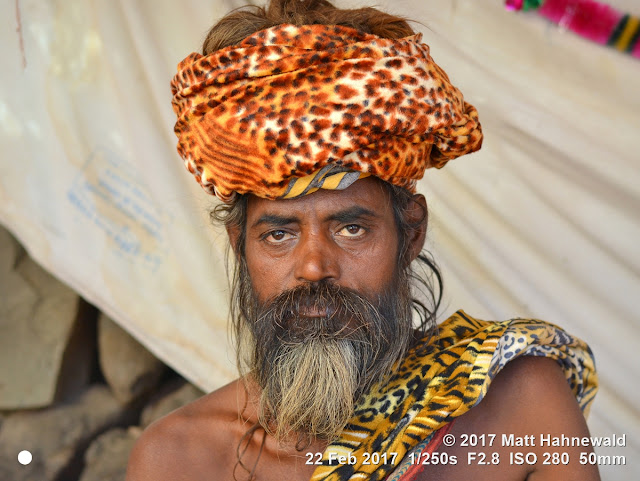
{"x": 543, "y": 222}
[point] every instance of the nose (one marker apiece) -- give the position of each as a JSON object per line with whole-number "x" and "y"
{"x": 316, "y": 259}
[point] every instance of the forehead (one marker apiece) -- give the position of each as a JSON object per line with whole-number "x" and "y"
{"x": 368, "y": 193}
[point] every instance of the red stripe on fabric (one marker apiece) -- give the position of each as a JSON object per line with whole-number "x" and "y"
{"x": 636, "y": 49}
{"x": 435, "y": 443}
{"x": 587, "y": 18}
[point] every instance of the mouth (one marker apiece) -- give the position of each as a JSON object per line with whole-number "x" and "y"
{"x": 313, "y": 319}
{"x": 315, "y": 312}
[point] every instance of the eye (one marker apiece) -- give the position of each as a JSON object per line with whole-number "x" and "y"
{"x": 352, "y": 230}
{"x": 276, "y": 236}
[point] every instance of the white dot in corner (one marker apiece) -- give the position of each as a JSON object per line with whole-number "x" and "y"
{"x": 24, "y": 457}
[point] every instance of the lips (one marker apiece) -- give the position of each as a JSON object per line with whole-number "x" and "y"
{"x": 315, "y": 312}
{"x": 320, "y": 310}
{"x": 305, "y": 322}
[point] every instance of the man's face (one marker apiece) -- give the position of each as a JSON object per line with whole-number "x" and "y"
{"x": 327, "y": 308}
{"x": 346, "y": 237}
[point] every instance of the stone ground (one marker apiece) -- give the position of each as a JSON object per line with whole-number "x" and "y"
{"x": 76, "y": 390}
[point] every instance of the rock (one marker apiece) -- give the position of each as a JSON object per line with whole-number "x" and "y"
{"x": 17, "y": 299}
{"x": 80, "y": 358}
{"x": 175, "y": 394}
{"x": 107, "y": 456}
{"x": 57, "y": 437}
{"x": 10, "y": 251}
{"x": 129, "y": 369}
{"x": 40, "y": 326}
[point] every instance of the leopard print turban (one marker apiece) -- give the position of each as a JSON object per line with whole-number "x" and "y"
{"x": 291, "y": 109}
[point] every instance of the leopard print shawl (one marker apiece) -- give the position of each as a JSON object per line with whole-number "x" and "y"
{"x": 443, "y": 378}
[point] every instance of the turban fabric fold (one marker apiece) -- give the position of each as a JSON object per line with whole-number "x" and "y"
{"x": 292, "y": 109}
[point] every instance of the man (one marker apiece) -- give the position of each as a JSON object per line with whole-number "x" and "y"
{"x": 312, "y": 125}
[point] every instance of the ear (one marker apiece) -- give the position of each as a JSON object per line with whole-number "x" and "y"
{"x": 416, "y": 215}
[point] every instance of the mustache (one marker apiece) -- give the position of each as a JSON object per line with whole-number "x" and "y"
{"x": 322, "y": 310}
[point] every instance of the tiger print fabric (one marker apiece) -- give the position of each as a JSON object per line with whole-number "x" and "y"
{"x": 439, "y": 382}
{"x": 290, "y": 100}
{"x": 408, "y": 468}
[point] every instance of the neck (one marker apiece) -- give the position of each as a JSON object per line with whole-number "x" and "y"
{"x": 294, "y": 443}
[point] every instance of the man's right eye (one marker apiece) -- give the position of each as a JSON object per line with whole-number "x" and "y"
{"x": 276, "y": 236}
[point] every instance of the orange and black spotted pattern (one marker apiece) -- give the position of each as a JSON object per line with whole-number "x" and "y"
{"x": 289, "y": 101}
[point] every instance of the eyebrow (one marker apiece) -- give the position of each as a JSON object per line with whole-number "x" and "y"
{"x": 275, "y": 220}
{"x": 351, "y": 214}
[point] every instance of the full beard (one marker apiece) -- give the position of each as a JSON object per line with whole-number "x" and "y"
{"x": 312, "y": 370}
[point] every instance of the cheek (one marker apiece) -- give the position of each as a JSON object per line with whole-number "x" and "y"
{"x": 265, "y": 274}
{"x": 372, "y": 271}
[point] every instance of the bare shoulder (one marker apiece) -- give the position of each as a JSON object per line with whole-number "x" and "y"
{"x": 538, "y": 397}
{"x": 528, "y": 403}
{"x": 190, "y": 443}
